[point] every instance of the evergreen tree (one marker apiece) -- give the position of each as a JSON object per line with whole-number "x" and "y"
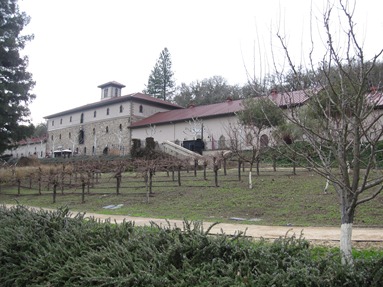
{"x": 161, "y": 84}
{"x": 15, "y": 82}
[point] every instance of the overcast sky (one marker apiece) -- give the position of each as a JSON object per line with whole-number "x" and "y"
{"x": 80, "y": 44}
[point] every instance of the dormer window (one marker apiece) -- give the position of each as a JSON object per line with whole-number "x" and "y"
{"x": 105, "y": 93}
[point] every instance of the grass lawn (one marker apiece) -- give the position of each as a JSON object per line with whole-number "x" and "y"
{"x": 277, "y": 198}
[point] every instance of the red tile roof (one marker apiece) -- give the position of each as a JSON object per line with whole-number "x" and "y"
{"x": 112, "y": 83}
{"x": 32, "y": 140}
{"x": 206, "y": 111}
{"x": 216, "y": 110}
{"x": 290, "y": 99}
{"x": 376, "y": 97}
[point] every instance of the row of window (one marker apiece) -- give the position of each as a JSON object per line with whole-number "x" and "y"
{"x": 141, "y": 110}
{"x": 81, "y": 133}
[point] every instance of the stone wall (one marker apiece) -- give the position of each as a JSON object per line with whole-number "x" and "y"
{"x": 108, "y": 136}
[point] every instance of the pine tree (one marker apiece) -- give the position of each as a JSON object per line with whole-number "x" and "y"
{"x": 161, "y": 84}
{"x": 15, "y": 82}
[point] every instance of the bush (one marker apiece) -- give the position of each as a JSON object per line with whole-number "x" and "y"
{"x": 46, "y": 248}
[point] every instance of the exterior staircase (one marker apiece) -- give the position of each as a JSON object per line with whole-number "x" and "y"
{"x": 178, "y": 151}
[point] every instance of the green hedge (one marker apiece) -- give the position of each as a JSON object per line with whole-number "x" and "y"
{"x": 50, "y": 249}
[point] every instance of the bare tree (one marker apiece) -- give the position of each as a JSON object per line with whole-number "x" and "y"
{"x": 347, "y": 125}
{"x": 249, "y": 137}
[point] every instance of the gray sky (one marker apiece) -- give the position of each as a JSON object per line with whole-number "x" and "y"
{"x": 80, "y": 44}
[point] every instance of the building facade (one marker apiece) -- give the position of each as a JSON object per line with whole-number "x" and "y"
{"x": 30, "y": 147}
{"x": 102, "y": 127}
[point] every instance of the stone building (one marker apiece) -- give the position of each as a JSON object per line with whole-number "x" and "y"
{"x": 102, "y": 127}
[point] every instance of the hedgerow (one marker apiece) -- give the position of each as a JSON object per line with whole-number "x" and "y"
{"x": 50, "y": 248}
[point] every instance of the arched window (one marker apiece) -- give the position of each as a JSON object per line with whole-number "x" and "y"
{"x": 121, "y": 109}
{"x": 222, "y": 142}
{"x": 264, "y": 140}
{"x": 81, "y": 137}
{"x": 141, "y": 109}
{"x": 82, "y": 118}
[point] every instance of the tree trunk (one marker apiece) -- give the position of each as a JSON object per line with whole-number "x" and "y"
{"x": 347, "y": 220}
{"x": 179, "y": 175}
{"x": 345, "y": 243}
{"x": 83, "y": 192}
{"x": 257, "y": 160}
{"x": 274, "y": 162}
{"x": 250, "y": 176}
{"x": 239, "y": 170}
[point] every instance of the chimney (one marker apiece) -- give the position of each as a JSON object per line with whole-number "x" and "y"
{"x": 373, "y": 89}
{"x": 274, "y": 94}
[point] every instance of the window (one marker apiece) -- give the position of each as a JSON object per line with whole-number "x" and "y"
{"x": 105, "y": 92}
{"x": 94, "y": 131}
{"x": 107, "y": 111}
{"x": 81, "y": 137}
{"x": 70, "y": 135}
{"x": 70, "y": 119}
{"x": 94, "y": 114}
{"x": 52, "y": 137}
{"x": 60, "y": 136}
{"x": 264, "y": 140}
{"x": 53, "y": 123}
{"x": 107, "y": 129}
{"x": 121, "y": 108}
{"x": 93, "y": 150}
{"x": 61, "y": 121}
{"x": 82, "y": 118}
{"x": 84, "y": 149}
{"x": 120, "y": 127}
{"x": 141, "y": 109}
{"x": 115, "y": 92}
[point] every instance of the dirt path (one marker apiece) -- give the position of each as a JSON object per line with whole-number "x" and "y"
{"x": 323, "y": 235}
